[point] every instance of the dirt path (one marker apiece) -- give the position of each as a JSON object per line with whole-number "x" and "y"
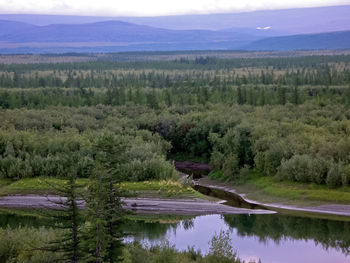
{"x": 331, "y": 209}
{"x": 142, "y": 205}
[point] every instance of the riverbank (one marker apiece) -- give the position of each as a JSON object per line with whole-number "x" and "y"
{"x": 250, "y": 194}
{"x": 150, "y": 189}
{"x": 139, "y": 205}
{"x": 157, "y": 197}
{"x": 166, "y": 197}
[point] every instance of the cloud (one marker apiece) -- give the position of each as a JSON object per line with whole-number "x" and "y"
{"x": 152, "y": 7}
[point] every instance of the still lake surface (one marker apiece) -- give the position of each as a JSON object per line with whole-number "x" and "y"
{"x": 270, "y": 238}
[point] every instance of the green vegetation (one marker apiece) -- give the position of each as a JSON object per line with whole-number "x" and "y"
{"x": 285, "y": 117}
{"x": 271, "y": 190}
{"x": 164, "y": 189}
{"x": 18, "y": 245}
{"x": 38, "y": 185}
{"x": 183, "y": 157}
{"x": 220, "y": 251}
{"x": 48, "y": 185}
{"x": 111, "y": 126}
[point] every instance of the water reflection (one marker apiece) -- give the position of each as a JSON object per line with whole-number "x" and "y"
{"x": 13, "y": 220}
{"x": 272, "y": 238}
{"x": 280, "y": 228}
{"x": 152, "y": 231}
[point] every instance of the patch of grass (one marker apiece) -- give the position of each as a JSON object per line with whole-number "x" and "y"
{"x": 269, "y": 189}
{"x": 4, "y": 182}
{"x": 47, "y": 185}
{"x": 217, "y": 175}
{"x": 38, "y": 185}
{"x": 163, "y": 189}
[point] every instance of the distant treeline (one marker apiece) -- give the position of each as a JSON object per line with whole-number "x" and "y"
{"x": 198, "y": 62}
{"x": 160, "y": 98}
{"x": 324, "y": 75}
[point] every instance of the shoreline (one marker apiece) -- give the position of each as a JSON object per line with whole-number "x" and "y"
{"x": 325, "y": 209}
{"x": 139, "y": 205}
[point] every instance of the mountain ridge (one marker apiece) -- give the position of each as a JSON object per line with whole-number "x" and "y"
{"x": 326, "y": 40}
{"x": 288, "y": 21}
{"x": 121, "y": 36}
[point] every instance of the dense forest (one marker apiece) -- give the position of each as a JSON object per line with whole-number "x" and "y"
{"x": 284, "y": 117}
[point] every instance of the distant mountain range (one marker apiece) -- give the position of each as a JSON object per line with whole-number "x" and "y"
{"x": 331, "y": 40}
{"x": 306, "y": 28}
{"x": 113, "y": 32}
{"x": 286, "y": 22}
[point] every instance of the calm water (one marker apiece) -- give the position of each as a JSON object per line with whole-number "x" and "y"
{"x": 272, "y": 238}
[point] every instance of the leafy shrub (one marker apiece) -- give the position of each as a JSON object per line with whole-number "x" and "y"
{"x": 346, "y": 176}
{"x": 335, "y": 175}
{"x": 303, "y": 168}
{"x": 230, "y": 167}
{"x": 221, "y": 250}
{"x": 21, "y": 244}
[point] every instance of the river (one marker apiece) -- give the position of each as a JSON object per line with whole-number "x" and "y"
{"x": 270, "y": 238}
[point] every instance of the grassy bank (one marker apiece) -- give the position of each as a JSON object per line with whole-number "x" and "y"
{"x": 39, "y": 185}
{"x": 160, "y": 189}
{"x": 270, "y": 190}
{"x": 155, "y": 189}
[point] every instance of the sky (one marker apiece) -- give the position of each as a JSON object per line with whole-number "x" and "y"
{"x": 152, "y": 7}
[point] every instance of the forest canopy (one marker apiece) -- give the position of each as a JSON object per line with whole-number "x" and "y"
{"x": 284, "y": 117}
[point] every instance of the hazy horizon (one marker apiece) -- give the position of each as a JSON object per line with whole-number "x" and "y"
{"x": 152, "y": 8}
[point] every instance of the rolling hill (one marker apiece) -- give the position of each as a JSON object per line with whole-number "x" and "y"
{"x": 120, "y": 36}
{"x": 331, "y": 40}
{"x": 112, "y": 31}
{"x": 286, "y": 22}
{"x": 112, "y": 36}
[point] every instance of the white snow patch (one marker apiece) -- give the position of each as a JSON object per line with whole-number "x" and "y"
{"x": 263, "y": 28}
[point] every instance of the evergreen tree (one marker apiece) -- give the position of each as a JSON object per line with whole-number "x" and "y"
{"x": 168, "y": 98}
{"x": 262, "y": 97}
{"x": 240, "y": 98}
{"x": 104, "y": 238}
{"x": 281, "y": 93}
{"x": 296, "y": 99}
{"x": 152, "y": 101}
{"x": 66, "y": 211}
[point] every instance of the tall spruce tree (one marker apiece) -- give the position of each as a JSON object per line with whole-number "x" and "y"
{"x": 240, "y": 97}
{"x": 296, "y": 99}
{"x": 105, "y": 213}
{"x": 66, "y": 211}
{"x": 281, "y": 92}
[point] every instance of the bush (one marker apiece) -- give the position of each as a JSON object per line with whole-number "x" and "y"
{"x": 259, "y": 162}
{"x": 230, "y": 167}
{"x": 19, "y": 245}
{"x": 346, "y": 176}
{"x": 217, "y": 160}
{"x": 221, "y": 250}
{"x": 335, "y": 175}
{"x": 244, "y": 174}
{"x": 303, "y": 168}
{"x": 273, "y": 158}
